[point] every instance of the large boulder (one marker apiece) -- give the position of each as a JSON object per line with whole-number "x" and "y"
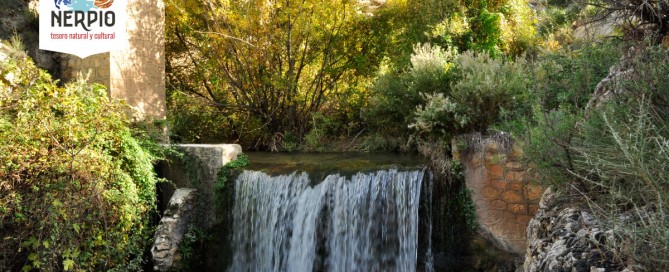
{"x": 569, "y": 239}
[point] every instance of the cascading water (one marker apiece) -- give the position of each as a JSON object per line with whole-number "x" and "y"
{"x": 368, "y": 222}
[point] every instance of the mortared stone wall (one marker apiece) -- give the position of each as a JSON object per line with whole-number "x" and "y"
{"x": 502, "y": 191}
{"x": 137, "y": 74}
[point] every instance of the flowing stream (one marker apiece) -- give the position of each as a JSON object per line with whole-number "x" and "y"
{"x": 366, "y": 221}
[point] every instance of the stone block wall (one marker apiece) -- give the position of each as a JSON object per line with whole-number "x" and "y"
{"x": 137, "y": 74}
{"x": 95, "y": 67}
{"x": 502, "y": 191}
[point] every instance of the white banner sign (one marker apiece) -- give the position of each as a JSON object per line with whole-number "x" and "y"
{"x": 83, "y": 27}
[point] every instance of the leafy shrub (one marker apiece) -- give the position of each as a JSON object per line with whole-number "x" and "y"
{"x": 493, "y": 27}
{"x": 75, "y": 185}
{"x": 482, "y": 88}
{"x": 616, "y": 155}
{"x": 563, "y": 83}
{"x": 444, "y": 94}
{"x": 230, "y": 170}
{"x": 621, "y": 153}
{"x": 396, "y": 95}
{"x": 197, "y": 121}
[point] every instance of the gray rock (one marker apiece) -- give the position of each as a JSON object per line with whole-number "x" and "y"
{"x": 172, "y": 227}
{"x": 567, "y": 239}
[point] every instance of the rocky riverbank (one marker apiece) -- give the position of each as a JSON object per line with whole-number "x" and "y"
{"x": 565, "y": 237}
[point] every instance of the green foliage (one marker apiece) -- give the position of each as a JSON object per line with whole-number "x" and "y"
{"x": 396, "y": 95}
{"x": 483, "y": 88}
{"x": 314, "y": 140}
{"x": 257, "y": 73}
{"x": 449, "y": 94}
{"x": 566, "y": 79}
{"x": 290, "y": 143}
{"x": 401, "y": 29}
{"x": 563, "y": 84}
{"x": 230, "y": 170}
{"x": 493, "y": 27}
{"x": 621, "y": 154}
{"x": 75, "y": 185}
{"x": 192, "y": 243}
{"x": 555, "y": 17}
{"x": 463, "y": 198}
{"x": 262, "y": 68}
{"x": 614, "y": 153}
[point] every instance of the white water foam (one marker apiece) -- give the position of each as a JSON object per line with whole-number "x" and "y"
{"x": 368, "y": 222}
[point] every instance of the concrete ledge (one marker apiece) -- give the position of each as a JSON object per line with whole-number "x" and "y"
{"x": 213, "y": 152}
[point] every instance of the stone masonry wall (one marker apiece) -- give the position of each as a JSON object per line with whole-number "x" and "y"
{"x": 502, "y": 192}
{"x": 96, "y": 67}
{"x": 137, "y": 74}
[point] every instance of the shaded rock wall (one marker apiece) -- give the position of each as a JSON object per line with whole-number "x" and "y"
{"x": 96, "y": 67}
{"x": 194, "y": 171}
{"x": 501, "y": 189}
{"x": 137, "y": 74}
{"x": 19, "y": 17}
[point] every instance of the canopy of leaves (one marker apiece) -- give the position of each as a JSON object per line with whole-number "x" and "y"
{"x": 258, "y": 71}
{"x": 267, "y": 65}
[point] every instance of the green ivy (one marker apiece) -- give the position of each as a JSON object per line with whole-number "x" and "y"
{"x": 463, "y": 198}
{"x": 230, "y": 170}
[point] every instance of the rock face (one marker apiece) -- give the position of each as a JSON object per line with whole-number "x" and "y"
{"x": 500, "y": 187}
{"x": 178, "y": 216}
{"x": 19, "y": 17}
{"x": 568, "y": 239}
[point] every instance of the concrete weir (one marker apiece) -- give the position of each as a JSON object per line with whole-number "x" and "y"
{"x": 188, "y": 199}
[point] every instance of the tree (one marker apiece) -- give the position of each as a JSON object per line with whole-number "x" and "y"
{"x": 638, "y": 19}
{"x": 267, "y": 65}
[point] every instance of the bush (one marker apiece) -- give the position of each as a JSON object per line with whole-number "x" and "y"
{"x": 448, "y": 94}
{"x": 395, "y": 95}
{"x": 616, "y": 156}
{"x": 563, "y": 83}
{"x": 76, "y": 187}
{"x": 482, "y": 89}
{"x": 501, "y": 27}
{"x": 621, "y": 153}
{"x": 195, "y": 120}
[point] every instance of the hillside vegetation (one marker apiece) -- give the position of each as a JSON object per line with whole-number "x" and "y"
{"x": 583, "y": 89}
{"x": 77, "y": 186}
{"x": 580, "y": 86}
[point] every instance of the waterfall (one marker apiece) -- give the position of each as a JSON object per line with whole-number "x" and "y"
{"x": 366, "y": 222}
